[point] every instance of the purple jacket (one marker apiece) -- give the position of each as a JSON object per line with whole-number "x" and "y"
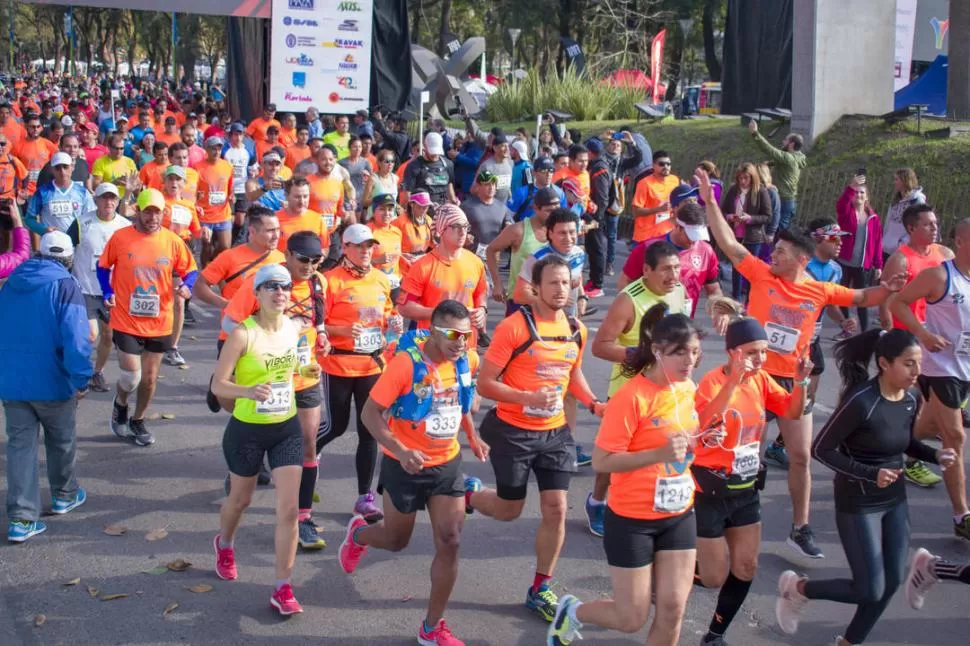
{"x": 18, "y": 254}
{"x": 872, "y": 251}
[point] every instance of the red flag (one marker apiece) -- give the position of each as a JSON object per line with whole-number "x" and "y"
{"x": 656, "y": 63}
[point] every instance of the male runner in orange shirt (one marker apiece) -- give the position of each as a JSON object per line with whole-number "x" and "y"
{"x": 215, "y": 189}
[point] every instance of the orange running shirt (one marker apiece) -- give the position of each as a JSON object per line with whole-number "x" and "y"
{"x": 327, "y": 198}
{"x": 788, "y": 311}
{"x": 544, "y": 365}
{"x": 651, "y": 192}
{"x": 638, "y": 418}
{"x": 306, "y": 221}
{"x": 389, "y": 239}
{"x": 143, "y": 265}
{"x": 583, "y": 179}
{"x": 299, "y": 310}
{"x": 415, "y": 239}
{"x": 744, "y": 420}
{"x": 915, "y": 263}
{"x": 215, "y": 190}
{"x": 352, "y": 300}
{"x": 14, "y": 132}
{"x": 230, "y": 261}
{"x": 397, "y": 380}
{"x": 12, "y": 173}
{"x": 34, "y": 155}
{"x": 296, "y": 154}
{"x": 432, "y": 279}
{"x": 258, "y": 127}
{"x": 263, "y": 147}
{"x": 190, "y": 191}
{"x": 181, "y": 217}
{"x": 151, "y": 176}
{"x": 168, "y": 139}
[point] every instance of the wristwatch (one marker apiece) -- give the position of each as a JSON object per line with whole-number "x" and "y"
{"x": 592, "y": 405}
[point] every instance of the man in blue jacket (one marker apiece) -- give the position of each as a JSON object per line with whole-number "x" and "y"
{"x": 45, "y": 341}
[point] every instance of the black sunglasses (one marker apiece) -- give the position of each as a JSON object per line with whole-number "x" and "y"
{"x": 663, "y": 163}
{"x": 275, "y": 285}
{"x": 308, "y": 259}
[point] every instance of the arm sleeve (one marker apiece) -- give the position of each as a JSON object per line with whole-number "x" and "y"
{"x": 32, "y": 218}
{"x": 104, "y": 280}
{"x": 75, "y": 333}
{"x": 843, "y": 422}
{"x": 631, "y": 161}
{"x": 774, "y": 154}
{"x": 843, "y": 206}
{"x": 877, "y": 259}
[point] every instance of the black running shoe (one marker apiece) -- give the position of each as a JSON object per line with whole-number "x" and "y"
{"x": 142, "y": 436}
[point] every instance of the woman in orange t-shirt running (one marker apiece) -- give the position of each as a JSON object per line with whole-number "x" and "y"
{"x": 644, "y": 443}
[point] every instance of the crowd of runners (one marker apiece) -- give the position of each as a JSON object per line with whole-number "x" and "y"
{"x": 353, "y": 273}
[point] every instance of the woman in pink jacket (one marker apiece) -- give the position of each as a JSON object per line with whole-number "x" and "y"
{"x": 861, "y": 253}
{"x": 19, "y": 244}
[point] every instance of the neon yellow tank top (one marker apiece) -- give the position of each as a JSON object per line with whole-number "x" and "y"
{"x": 270, "y": 357}
{"x": 530, "y": 244}
{"x": 643, "y": 299}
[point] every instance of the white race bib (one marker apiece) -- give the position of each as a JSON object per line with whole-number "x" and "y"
{"x": 370, "y": 339}
{"x": 673, "y": 495}
{"x": 818, "y": 332}
{"x": 61, "y": 208}
{"x": 328, "y": 220}
{"x": 746, "y": 461}
{"x": 443, "y": 423}
{"x": 303, "y": 355}
{"x": 217, "y": 198}
{"x": 662, "y": 217}
{"x": 181, "y": 215}
{"x": 963, "y": 345}
{"x": 781, "y": 339}
{"x": 144, "y": 305}
{"x": 94, "y": 263}
{"x": 688, "y": 306}
{"x": 32, "y": 175}
{"x": 279, "y": 400}
{"x": 532, "y": 411}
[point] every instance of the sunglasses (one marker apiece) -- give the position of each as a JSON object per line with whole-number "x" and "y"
{"x": 664, "y": 163}
{"x": 3, "y": 143}
{"x": 452, "y": 334}
{"x": 276, "y": 286}
{"x": 117, "y": 148}
{"x": 832, "y": 238}
{"x": 307, "y": 260}
{"x": 387, "y": 160}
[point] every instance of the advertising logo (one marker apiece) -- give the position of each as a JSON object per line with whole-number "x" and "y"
{"x": 302, "y": 60}
{"x": 348, "y": 25}
{"x": 297, "y": 98}
{"x": 299, "y": 79}
{"x": 334, "y": 97}
{"x": 303, "y": 41}
{"x": 342, "y": 43}
{"x": 348, "y": 6}
{"x": 347, "y": 82}
{"x": 940, "y": 27}
{"x": 299, "y": 22}
{"x": 300, "y": 5}
{"x": 348, "y": 64}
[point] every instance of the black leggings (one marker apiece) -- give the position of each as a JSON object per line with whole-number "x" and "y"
{"x": 856, "y": 278}
{"x": 876, "y": 546}
{"x": 334, "y": 421}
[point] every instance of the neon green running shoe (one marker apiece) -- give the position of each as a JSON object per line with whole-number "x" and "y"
{"x": 543, "y": 602}
{"x": 563, "y": 630}
{"x": 919, "y": 474}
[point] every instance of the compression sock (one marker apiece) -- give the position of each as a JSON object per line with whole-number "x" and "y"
{"x": 540, "y": 581}
{"x": 729, "y": 600}
{"x": 947, "y": 571}
{"x": 307, "y": 482}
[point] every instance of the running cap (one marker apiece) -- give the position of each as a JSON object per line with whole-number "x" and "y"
{"x": 546, "y": 196}
{"x": 573, "y": 186}
{"x": 694, "y": 232}
{"x": 520, "y": 147}
{"x": 305, "y": 245}
{"x": 421, "y": 198}
{"x": 487, "y": 177}
{"x": 105, "y": 188}
{"x": 268, "y": 273}
{"x": 358, "y": 234}
{"x": 150, "y": 197}
{"x": 384, "y": 198}
{"x": 178, "y": 171}
{"x": 743, "y": 331}
{"x": 433, "y": 144}
{"x": 545, "y": 163}
{"x": 271, "y": 157}
{"x": 682, "y": 192}
{"x": 61, "y": 159}
{"x": 214, "y": 141}
{"x": 56, "y": 244}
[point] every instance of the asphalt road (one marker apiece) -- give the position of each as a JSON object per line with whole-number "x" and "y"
{"x": 176, "y": 485}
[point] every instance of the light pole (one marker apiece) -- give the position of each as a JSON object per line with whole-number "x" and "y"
{"x": 685, "y": 25}
{"x": 514, "y": 37}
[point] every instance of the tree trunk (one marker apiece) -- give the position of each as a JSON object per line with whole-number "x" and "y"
{"x": 565, "y": 11}
{"x": 958, "y": 84}
{"x": 444, "y": 26}
{"x": 710, "y": 55}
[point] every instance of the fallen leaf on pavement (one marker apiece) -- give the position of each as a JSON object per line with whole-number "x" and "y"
{"x": 115, "y": 530}
{"x": 112, "y": 597}
{"x": 200, "y": 587}
{"x": 168, "y": 416}
{"x": 93, "y": 592}
{"x": 158, "y": 569}
{"x": 179, "y": 565}
{"x": 183, "y": 367}
{"x": 406, "y": 597}
{"x": 154, "y": 417}
{"x": 156, "y": 534}
{"x": 72, "y": 582}
{"x": 170, "y": 608}
{"x": 39, "y": 620}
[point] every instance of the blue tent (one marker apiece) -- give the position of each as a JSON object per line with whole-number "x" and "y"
{"x": 929, "y": 89}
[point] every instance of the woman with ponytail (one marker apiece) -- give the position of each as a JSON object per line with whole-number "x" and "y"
{"x": 729, "y": 473}
{"x": 863, "y": 442}
{"x": 644, "y": 444}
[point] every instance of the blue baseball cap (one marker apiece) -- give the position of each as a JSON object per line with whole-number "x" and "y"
{"x": 682, "y": 192}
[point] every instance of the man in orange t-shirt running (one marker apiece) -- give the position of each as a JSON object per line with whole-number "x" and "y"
{"x": 215, "y": 189}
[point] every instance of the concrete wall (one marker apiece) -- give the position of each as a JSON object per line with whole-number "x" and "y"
{"x": 842, "y": 61}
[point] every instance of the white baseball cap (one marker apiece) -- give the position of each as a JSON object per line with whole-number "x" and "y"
{"x": 434, "y": 144}
{"x": 56, "y": 244}
{"x": 521, "y": 148}
{"x": 106, "y": 187}
{"x": 267, "y": 273}
{"x": 61, "y": 159}
{"x": 67, "y": 121}
{"x": 695, "y": 232}
{"x": 358, "y": 234}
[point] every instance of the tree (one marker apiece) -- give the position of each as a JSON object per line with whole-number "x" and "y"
{"x": 958, "y": 84}
{"x": 713, "y": 9}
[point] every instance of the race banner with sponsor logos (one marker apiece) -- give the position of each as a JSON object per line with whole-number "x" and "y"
{"x": 321, "y": 55}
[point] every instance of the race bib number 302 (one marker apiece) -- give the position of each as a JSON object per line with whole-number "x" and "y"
{"x": 144, "y": 305}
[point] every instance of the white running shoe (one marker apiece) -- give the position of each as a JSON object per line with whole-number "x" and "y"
{"x": 790, "y": 603}
{"x": 920, "y": 578}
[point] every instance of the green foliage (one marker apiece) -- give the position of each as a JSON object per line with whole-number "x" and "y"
{"x": 586, "y": 99}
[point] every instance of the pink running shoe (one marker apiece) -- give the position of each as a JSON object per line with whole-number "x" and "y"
{"x": 225, "y": 561}
{"x": 366, "y": 507}
{"x": 350, "y": 552}
{"x": 284, "y": 601}
{"x": 440, "y": 636}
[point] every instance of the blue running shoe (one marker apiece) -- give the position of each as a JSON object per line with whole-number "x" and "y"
{"x": 543, "y": 602}
{"x": 472, "y": 484}
{"x": 64, "y": 505}
{"x": 594, "y": 516}
{"x": 19, "y": 531}
{"x": 583, "y": 459}
{"x": 777, "y": 455}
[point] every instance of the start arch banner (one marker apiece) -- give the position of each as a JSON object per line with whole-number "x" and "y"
{"x": 321, "y": 55}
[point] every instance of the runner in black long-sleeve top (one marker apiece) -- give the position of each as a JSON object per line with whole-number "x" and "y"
{"x": 863, "y": 443}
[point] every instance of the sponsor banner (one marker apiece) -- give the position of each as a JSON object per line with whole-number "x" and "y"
{"x": 238, "y": 8}
{"x": 321, "y": 55}
{"x": 905, "y": 32}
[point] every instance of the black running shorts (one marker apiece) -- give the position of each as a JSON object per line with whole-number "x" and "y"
{"x": 717, "y": 513}
{"x": 409, "y": 493}
{"x": 632, "y": 543}
{"x": 244, "y": 444}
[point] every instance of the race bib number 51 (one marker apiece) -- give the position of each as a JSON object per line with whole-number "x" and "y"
{"x": 781, "y": 339}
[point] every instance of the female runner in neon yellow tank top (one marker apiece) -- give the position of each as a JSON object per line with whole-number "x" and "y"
{"x": 254, "y": 377}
